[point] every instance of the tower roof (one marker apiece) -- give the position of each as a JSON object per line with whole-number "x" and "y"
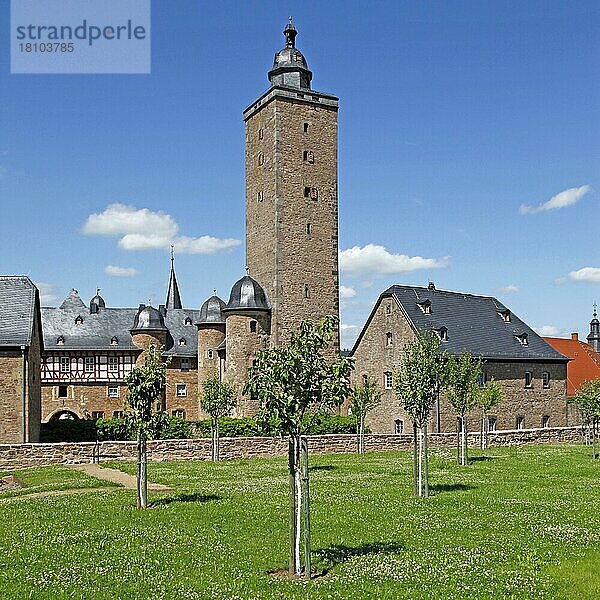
{"x": 211, "y": 312}
{"x": 148, "y": 318}
{"x": 247, "y": 294}
{"x": 97, "y": 302}
{"x": 173, "y": 295}
{"x": 73, "y": 301}
{"x": 289, "y": 66}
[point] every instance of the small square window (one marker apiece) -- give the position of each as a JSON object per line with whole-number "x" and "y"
{"x": 97, "y": 414}
{"x": 388, "y": 381}
{"x": 520, "y": 422}
{"x": 184, "y": 364}
{"x": 118, "y": 414}
{"x": 63, "y": 391}
{"x": 178, "y": 412}
{"x": 113, "y": 391}
{"x": 210, "y": 354}
{"x": 398, "y": 426}
{"x": 546, "y": 421}
{"x": 181, "y": 390}
{"x": 491, "y": 423}
{"x": 253, "y": 326}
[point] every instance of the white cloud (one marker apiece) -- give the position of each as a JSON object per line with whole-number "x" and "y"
{"x": 347, "y": 327}
{"x": 347, "y": 292}
{"x": 374, "y": 259}
{"x": 120, "y": 271}
{"x": 511, "y": 288}
{"x": 142, "y": 229}
{"x": 561, "y": 200}
{"x": 549, "y": 330}
{"x": 47, "y": 293}
{"x": 586, "y": 274}
{"x": 348, "y": 334}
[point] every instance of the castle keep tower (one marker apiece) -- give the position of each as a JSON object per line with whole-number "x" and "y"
{"x": 291, "y": 194}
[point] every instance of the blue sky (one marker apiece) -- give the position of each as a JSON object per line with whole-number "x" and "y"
{"x": 469, "y": 136}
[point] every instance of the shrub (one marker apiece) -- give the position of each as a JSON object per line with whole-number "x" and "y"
{"x": 81, "y": 430}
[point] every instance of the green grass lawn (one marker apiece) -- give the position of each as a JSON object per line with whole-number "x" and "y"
{"x": 516, "y": 523}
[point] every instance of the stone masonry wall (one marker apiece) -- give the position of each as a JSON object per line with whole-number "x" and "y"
{"x": 11, "y": 410}
{"x": 18, "y": 456}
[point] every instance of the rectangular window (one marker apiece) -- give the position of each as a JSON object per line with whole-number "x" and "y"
{"x": 528, "y": 379}
{"x": 184, "y": 364}
{"x": 491, "y": 423}
{"x": 118, "y": 414}
{"x": 387, "y": 380}
{"x": 253, "y": 325}
{"x": 520, "y": 422}
{"x": 398, "y": 426}
{"x": 89, "y": 364}
{"x": 181, "y": 390}
{"x": 65, "y": 364}
{"x": 97, "y": 414}
{"x": 389, "y": 340}
{"x": 546, "y": 379}
{"x": 62, "y": 391}
{"x": 178, "y": 412}
{"x": 546, "y": 421}
{"x": 113, "y": 364}
{"x": 305, "y": 127}
{"x": 113, "y": 391}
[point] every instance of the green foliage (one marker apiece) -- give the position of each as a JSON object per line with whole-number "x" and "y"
{"x": 461, "y": 381}
{"x": 217, "y": 398}
{"x": 297, "y": 379}
{"x": 421, "y": 372}
{"x": 113, "y": 428}
{"x": 490, "y": 396}
{"x": 498, "y": 529}
{"x": 365, "y": 397}
{"x": 145, "y": 386}
{"x": 588, "y": 400}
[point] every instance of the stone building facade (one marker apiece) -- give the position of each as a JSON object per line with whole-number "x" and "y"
{"x": 532, "y": 374}
{"x": 20, "y": 347}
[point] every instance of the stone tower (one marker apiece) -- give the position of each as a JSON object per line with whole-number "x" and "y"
{"x": 594, "y": 336}
{"x": 291, "y": 194}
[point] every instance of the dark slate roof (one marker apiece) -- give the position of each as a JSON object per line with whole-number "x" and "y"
{"x": 211, "y": 312}
{"x": 149, "y": 318}
{"x": 18, "y": 297}
{"x": 474, "y": 324}
{"x": 247, "y": 294}
{"x": 97, "y": 330}
{"x": 173, "y": 295}
{"x": 73, "y": 301}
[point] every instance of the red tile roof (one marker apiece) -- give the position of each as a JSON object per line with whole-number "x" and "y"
{"x": 585, "y": 363}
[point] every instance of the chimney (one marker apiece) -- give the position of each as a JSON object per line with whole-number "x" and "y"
{"x": 575, "y": 336}
{"x": 431, "y": 286}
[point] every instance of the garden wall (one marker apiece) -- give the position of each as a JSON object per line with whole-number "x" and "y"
{"x": 16, "y": 456}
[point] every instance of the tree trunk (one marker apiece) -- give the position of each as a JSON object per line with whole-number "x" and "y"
{"x": 426, "y": 459}
{"x": 458, "y": 429}
{"x": 217, "y": 444}
{"x": 306, "y": 505}
{"x": 292, "y": 485}
{"x": 361, "y": 435}
{"x": 299, "y": 505}
{"x": 420, "y": 465}
{"x": 465, "y": 452}
{"x": 415, "y": 486}
{"x": 142, "y": 474}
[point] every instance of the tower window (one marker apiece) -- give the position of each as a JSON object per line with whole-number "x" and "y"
{"x": 311, "y": 192}
{"x": 546, "y": 421}
{"x": 520, "y": 422}
{"x": 306, "y": 292}
{"x": 179, "y": 412}
{"x": 210, "y": 354}
{"x": 398, "y": 426}
{"x": 528, "y": 379}
{"x": 260, "y": 134}
{"x": 261, "y": 159}
{"x": 308, "y": 228}
{"x": 388, "y": 382}
{"x": 259, "y": 196}
{"x": 491, "y": 423}
{"x": 308, "y": 156}
{"x": 305, "y": 127}
{"x": 365, "y": 379}
{"x": 546, "y": 379}
{"x": 253, "y": 326}
{"x": 181, "y": 390}
{"x": 388, "y": 339}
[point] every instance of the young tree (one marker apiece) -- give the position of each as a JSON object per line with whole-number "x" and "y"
{"x": 145, "y": 384}
{"x": 417, "y": 382}
{"x": 217, "y": 399}
{"x": 365, "y": 397}
{"x": 462, "y": 388}
{"x": 489, "y": 396}
{"x": 588, "y": 400}
{"x": 290, "y": 382}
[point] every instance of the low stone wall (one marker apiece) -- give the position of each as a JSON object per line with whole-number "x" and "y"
{"x": 18, "y": 456}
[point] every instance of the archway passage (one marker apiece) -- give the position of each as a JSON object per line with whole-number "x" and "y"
{"x": 63, "y": 415}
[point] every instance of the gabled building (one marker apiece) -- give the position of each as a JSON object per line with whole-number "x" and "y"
{"x": 20, "y": 347}
{"x": 531, "y": 372}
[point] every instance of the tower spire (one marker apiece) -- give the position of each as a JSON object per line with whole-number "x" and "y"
{"x": 594, "y": 337}
{"x": 290, "y": 33}
{"x": 173, "y": 295}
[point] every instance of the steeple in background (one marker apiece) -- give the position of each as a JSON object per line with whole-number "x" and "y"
{"x": 173, "y": 296}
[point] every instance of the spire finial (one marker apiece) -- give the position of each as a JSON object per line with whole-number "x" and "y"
{"x": 172, "y": 253}
{"x": 595, "y": 311}
{"x": 290, "y": 34}
{"x": 247, "y": 270}
{"x": 98, "y": 292}
{"x": 214, "y": 292}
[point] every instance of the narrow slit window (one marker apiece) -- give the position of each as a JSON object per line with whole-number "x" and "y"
{"x": 308, "y": 228}
{"x": 261, "y": 159}
{"x": 305, "y": 127}
{"x": 259, "y": 196}
{"x": 253, "y": 326}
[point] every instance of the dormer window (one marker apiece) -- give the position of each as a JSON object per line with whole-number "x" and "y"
{"x": 522, "y": 337}
{"x": 78, "y": 320}
{"x": 505, "y": 314}
{"x": 425, "y": 307}
{"x": 114, "y": 341}
{"x": 60, "y": 340}
{"x": 187, "y": 321}
{"x": 442, "y": 333}
{"x": 182, "y": 342}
